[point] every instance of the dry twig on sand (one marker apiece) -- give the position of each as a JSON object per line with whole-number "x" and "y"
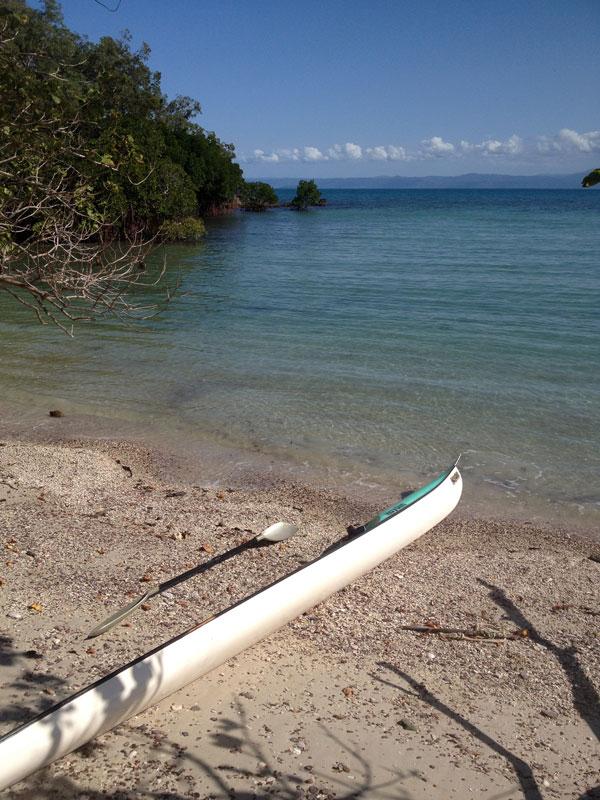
{"x": 469, "y": 635}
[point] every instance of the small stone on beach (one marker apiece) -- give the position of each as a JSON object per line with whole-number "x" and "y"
{"x": 407, "y": 725}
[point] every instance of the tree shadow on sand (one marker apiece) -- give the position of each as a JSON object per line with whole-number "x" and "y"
{"x": 264, "y": 781}
{"x": 235, "y": 736}
{"x": 127, "y": 693}
{"x": 63, "y": 788}
{"x": 524, "y": 773}
{"x": 27, "y": 681}
{"x": 586, "y": 700}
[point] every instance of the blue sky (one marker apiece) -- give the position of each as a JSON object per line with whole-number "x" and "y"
{"x": 378, "y": 87}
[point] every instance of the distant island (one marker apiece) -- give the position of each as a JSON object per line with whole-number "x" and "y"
{"x": 472, "y": 180}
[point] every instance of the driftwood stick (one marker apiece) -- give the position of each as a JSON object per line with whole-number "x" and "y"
{"x": 475, "y": 634}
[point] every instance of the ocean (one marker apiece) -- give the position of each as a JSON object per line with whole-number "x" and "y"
{"x": 363, "y": 345}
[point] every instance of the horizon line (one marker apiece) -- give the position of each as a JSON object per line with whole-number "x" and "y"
{"x": 432, "y": 175}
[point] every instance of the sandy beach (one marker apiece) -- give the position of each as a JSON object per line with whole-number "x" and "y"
{"x": 345, "y": 702}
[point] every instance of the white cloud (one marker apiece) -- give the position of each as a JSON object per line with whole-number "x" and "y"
{"x": 437, "y": 147}
{"x": 397, "y": 153}
{"x": 260, "y": 155}
{"x": 494, "y": 147}
{"x": 350, "y": 151}
{"x": 566, "y": 142}
{"x": 293, "y": 154}
{"x": 510, "y": 147}
{"x": 581, "y": 142}
{"x": 313, "y": 154}
{"x": 388, "y": 152}
{"x": 569, "y": 141}
{"x": 377, "y": 153}
{"x": 354, "y": 150}
{"x": 285, "y": 154}
{"x": 345, "y": 152}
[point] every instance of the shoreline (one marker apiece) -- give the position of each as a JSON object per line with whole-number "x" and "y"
{"x": 342, "y": 700}
{"x": 189, "y": 456}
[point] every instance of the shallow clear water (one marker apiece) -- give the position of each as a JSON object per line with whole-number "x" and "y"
{"x": 386, "y": 332}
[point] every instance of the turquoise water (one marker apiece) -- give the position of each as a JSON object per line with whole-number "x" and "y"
{"x": 382, "y": 334}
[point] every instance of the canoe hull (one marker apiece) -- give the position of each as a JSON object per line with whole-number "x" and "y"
{"x": 149, "y": 679}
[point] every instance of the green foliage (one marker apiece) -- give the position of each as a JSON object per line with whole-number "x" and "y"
{"x": 94, "y": 114}
{"x": 207, "y": 161}
{"x": 307, "y": 194}
{"x": 190, "y": 229}
{"x": 258, "y": 196}
{"x": 592, "y": 179}
{"x": 94, "y": 160}
{"x": 42, "y": 93}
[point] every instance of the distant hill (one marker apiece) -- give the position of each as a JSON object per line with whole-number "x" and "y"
{"x": 472, "y": 180}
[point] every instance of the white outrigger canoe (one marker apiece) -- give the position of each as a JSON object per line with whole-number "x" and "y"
{"x": 148, "y": 679}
